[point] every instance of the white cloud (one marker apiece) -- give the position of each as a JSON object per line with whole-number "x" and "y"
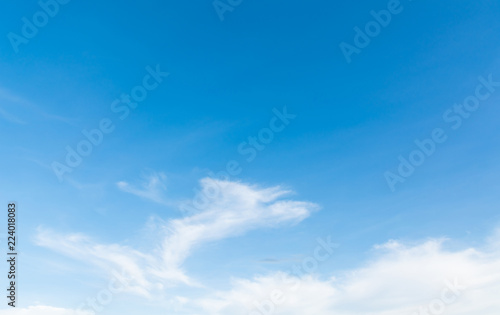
{"x": 10, "y": 117}
{"x": 42, "y": 310}
{"x": 234, "y": 209}
{"x": 153, "y": 188}
{"x": 111, "y": 258}
{"x": 399, "y": 281}
{"x": 426, "y": 278}
{"x": 17, "y": 102}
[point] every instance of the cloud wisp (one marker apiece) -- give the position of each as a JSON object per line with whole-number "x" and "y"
{"x": 8, "y": 98}
{"x": 238, "y": 208}
{"x": 152, "y": 188}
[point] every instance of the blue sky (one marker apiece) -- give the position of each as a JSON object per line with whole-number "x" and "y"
{"x": 322, "y": 175}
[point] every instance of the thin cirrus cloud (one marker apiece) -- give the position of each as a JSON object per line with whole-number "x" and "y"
{"x": 9, "y": 117}
{"x": 8, "y": 98}
{"x": 152, "y": 188}
{"x": 238, "y": 208}
{"x": 111, "y": 258}
{"x": 22, "y": 105}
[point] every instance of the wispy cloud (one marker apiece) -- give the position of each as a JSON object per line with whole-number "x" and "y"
{"x": 9, "y": 98}
{"x": 152, "y": 188}
{"x": 237, "y": 209}
{"x": 109, "y": 258}
{"x": 9, "y": 117}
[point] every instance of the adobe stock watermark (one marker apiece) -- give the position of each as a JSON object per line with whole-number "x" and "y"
{"x": 455, "y": 116}
{"x": 363, "y": 37}
{"x": 293, "y": 280}
{"x": 31, "y": 26}
{"x": 223, "y": 6}
{"x": 96, "y": 304}
{"x": 249, "y": 149}
{"x": 94, "y": 137}
{"x": 449, "y": 295}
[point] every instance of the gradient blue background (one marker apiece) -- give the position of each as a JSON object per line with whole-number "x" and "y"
{"x": 353, "y": 120}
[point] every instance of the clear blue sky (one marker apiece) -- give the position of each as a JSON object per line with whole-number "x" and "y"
{"x": 227, "y": 78}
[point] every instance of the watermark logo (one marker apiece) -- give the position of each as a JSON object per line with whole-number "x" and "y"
{"x": 249, "y": 148}
{"x": 30, "y": 28}
{"x": 363, "y": 37}
{"x": 449, "y": 295}
{"x": 293, "y": 280}
{"x": 455, "y": 116}
{"x": 223, "y": 6}
{"x": 93, "y": 138}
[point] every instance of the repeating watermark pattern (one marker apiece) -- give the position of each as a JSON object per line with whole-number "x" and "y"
{"x": 223, "y": 6}
{"x": 31, "y": 26}
{"x": 363, "y": 36}
{"x": 292, "y": 280}
{"x": 122, "y": 106}
{"x": 250, "y": 149}
{"x": 455, "y": 116}
{"x": 449, "y": 295}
